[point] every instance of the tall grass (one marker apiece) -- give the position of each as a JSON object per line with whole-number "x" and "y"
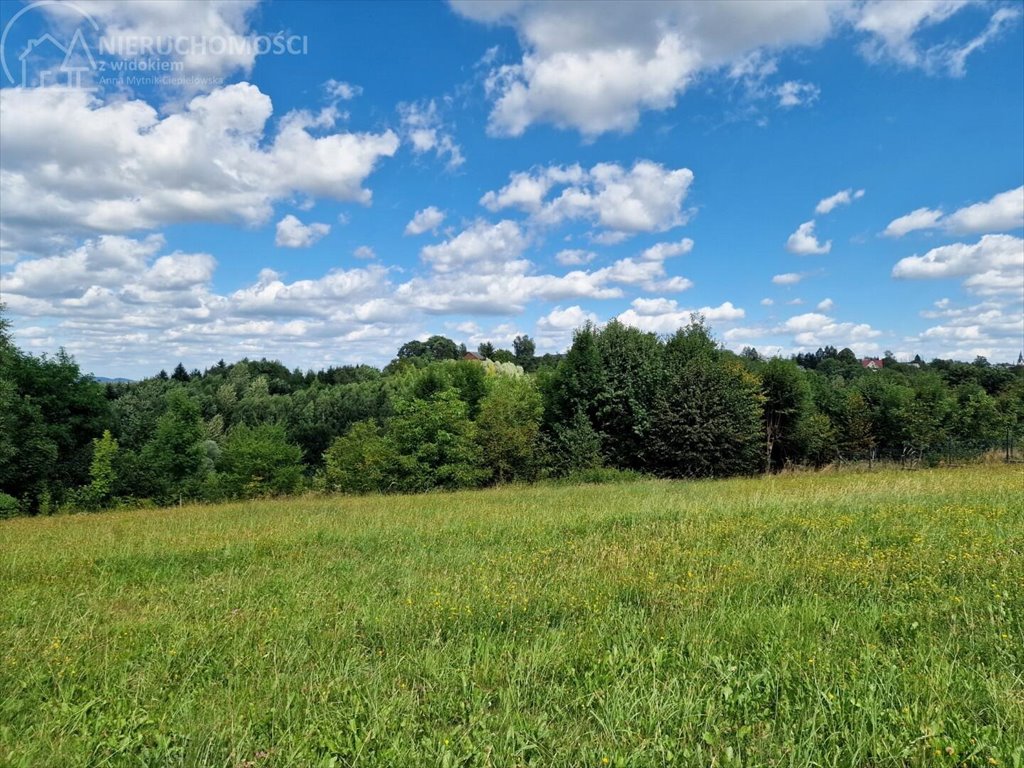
{"x": 851, "y": 619}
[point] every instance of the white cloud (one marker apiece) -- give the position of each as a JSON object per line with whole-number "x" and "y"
{"x": 843, "y": 197}
{"x": 526, "y": 190}
{"x": 994, "y": 329}
{"x": 484, "y": 269}
{"x": 662, "y": 251}
{"x": 645, "y": 198}
{"x": 826, "y": 305}
{"x": 649, "y": 275}
{"x": 921, "y": 218}
{"x": 566, "y": 319}
{"x": 895, "y": 26}
{"x": 127, "y": 28}
{"x": 788, "y": 278}
{"x": 596, "y": 71}
{"x": 814, "y": 329}
{"x": 665, "y": 315}
{"x": 70, "y": 163}
{"x": 767, "y": 302}
{"x": 1004, "y": 211}
{"x": 364, "y": 252}
{"x": 803, "y": 242}
{"x": 482, "y": 246}
{"x": 794, "y": 94}
{"x": 571, "y": 257}
{"x": 993, "y": 265}
{"x": 426, "y": 131}
{"x": 426, "y": 220}
{"x": 342, "y": 91}
{"x": 292, "y": 233}
{"x": 554, "y": 330}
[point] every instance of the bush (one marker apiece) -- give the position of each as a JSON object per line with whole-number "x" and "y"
{"x": 9, "y": 506}
{"x": 360, "y": 461}
{"x": 258, "y": 461}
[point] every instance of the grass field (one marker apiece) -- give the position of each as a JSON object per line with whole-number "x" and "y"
{"x": 861, "y": 619}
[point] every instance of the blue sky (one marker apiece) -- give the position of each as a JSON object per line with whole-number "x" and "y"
{"x": 320, "y": 182}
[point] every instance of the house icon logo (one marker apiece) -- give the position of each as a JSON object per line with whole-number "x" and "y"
{"x": 46, "y": 60}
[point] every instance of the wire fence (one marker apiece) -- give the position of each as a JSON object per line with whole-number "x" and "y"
{"x": 950, "y": 452}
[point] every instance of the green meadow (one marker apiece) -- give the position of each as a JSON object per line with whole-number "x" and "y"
{"x": 817, "y": 619}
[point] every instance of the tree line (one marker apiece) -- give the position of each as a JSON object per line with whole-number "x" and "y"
{"x": 619, "y": 400}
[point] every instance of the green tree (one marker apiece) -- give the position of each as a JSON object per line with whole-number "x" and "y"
{"x": 632, "y": 368}
{"x": 573, "y": 446}
{"x": 435, "y": 440}
{"x": 174, "y": 457}
{"x": 259, "y": 461}
{"x": 924, "y": 417}
{"x": 707, "y": 419}
{"x": 434, "y": 348}
{"x": 857, "y": 440}
{"x": 362, "y": 460}
{"x": 508, "y": 426}
{"x": 786, "y": 401}
{"x": 524, "y": 349}
{"x": 49, "y": 414}
{"x": 102, "y": 472}
{"x": 578, "y": 385}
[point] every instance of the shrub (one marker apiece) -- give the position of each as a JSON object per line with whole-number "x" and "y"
{"x": 9, "y": 506}
{"x": 258, "y": 461}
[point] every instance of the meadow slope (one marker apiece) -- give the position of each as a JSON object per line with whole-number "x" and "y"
{"x": 859, "y": 619}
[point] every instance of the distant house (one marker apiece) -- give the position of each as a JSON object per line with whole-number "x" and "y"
{"x": 873, "y": 363}
{"x": 473, "y": 356}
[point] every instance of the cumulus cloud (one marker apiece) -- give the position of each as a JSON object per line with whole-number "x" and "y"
{"x": 793, "y": 93}
{"x": 555, "y": 329}
{"x": 662, "y": 251}
{"x": 1003, "y": 212}
{"x": 484, "y": 269}
{"x": 843, "y": 197}
{"x": 803, "y": 242}
{"x": 482, "y": 246}
{"x": 127, "y": 27}
{"x": 427, "y": 132}
{"x": 665, "y": 315}
{"x": 571, "y": 257}
{"x": 645, "y": 198}
{"x": 815, "y": 329}
{"x": 364, "y": 252}
{"x": 992, "y": 328}
{"x": 342, "y": 91}
{"x": 788, "y": 278}
{"x": 826, "y": 305}
{"x": 596, "y": 71}
{"x": 72, "y": 163}
{"x": 993, "y": 265}
{"x": 292, "y": 233}
{"x": 921, "y": 218}
{"x": 426, "y": 220}
{"x": 894, "y": 30}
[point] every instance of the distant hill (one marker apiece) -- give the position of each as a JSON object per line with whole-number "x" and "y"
{"x": 108, "y": 380}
